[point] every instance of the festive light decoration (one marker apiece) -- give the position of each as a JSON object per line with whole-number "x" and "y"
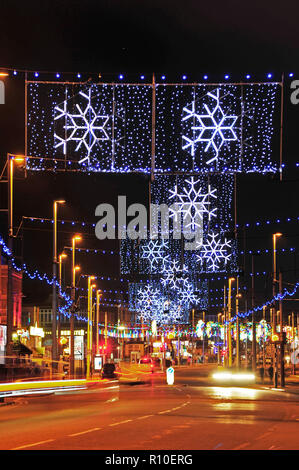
{"x": 98, "y": 127}
{"x": 214, "y": 253}
{"x": 155, "y": 252}
{"x": 194, "y": 203}
{"x": 214, "y": 128}
{"x": 87, "y": 127}
{"x": 226, "y": 128}
{"x": 174, "y": 276}
{"x": 152, "y": 301}
{"x": 108, "y": 127}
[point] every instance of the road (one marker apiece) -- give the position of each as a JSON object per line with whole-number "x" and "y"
{"x": 191, "y": 414}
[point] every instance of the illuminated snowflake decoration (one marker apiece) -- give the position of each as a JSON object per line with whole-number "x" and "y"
{"x": 148, "y": 300}
{"x": 174, "y": 277}
{"x": 155, "y": 252}
{"x": 214, "y": 253}
{"x": 214, "y": 128}
{"x": 87, "y": 127}
{"x": 193, "y": 204}
{"x": 187, "y": 295}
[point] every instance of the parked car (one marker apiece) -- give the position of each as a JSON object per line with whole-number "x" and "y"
{"x": 108, "y": 371}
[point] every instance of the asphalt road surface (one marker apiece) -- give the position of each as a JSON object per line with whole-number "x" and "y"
{"x": 191, "y": 414}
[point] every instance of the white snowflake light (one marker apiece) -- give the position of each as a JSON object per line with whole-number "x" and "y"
{"x": 194, "y": 203}
{"x": 187, "y": 295}
{"x": 174, "y": 277}
{"x": 155, "y": 251}
{"x": 214, "y": 128}
{"x": 148, "y": 301}
{"x": 214, "y": 252}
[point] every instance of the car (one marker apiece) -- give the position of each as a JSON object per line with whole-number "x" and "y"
{"x": 108, "y": 371}
{"x": 233, "y": 377}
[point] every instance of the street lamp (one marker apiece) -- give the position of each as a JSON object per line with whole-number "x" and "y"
{"x": 89, "y": 325}
{"x": 11, "y": 159}
{"x": 73, "y": 296}
{"x": 54, "y": 287}
{"x": 238, "y": 355}
{"x": 275, "y": 236}
{"x": 61, "y": 257}
{"x": 219, "y": 337}
{"x": 230, "y": 349}
{"x": 99, "y": 295}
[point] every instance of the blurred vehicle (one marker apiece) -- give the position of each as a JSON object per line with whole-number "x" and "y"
{"x": 108, "y": 371}
{"x": 234, "y": 377}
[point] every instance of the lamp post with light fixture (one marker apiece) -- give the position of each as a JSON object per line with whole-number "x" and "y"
{"x": 54, "y": 287}
{"x": 99, "y": 294}
{"x": 89, "y": 325}
{"x": 274, "y": 237}
{"x": 73, "y": 296}
{"x": 61, "y": 257}
{"x": 11, "y": 159}
{"x": 230, "y": 346}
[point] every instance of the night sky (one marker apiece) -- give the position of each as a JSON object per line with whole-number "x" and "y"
{"x": 131, "y": 37}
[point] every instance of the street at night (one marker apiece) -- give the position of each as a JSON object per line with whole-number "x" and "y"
{"x": 149, "y": 243}
{"x": 192, "y": 414}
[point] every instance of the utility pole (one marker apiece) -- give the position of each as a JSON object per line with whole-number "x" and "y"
{"x": 192, "y": 333}
{"x": 54, "y": 287}
{"x": 282, "y": 374}
{"x": 253, "y": 316}
{"x": 238, "y": 358}
{"x": 230, "y": 348}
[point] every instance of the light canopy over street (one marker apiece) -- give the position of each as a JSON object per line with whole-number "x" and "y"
{"x": 149, "y": 276}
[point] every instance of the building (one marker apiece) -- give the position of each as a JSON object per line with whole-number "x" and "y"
{"x": 17, "y": 295}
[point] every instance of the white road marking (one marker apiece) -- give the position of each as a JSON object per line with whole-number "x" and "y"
{"x": 146, "y": 416}
{"x": 162, "y": 412}
{"x": 120, "y": 422}
{"x": 84, "y": 432}
{"x": 32, "y": 445}
{"x": 245, "y": 444}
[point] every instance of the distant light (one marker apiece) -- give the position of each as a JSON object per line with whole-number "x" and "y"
{"x": 184, "y": 77}
{"x": 163, "y": 77}
{"x": 247, "y": 76}
{"x": 78, "y": 75}
{"x": 4, "y": 74}
{"x": 121, "y": 77}
{"x": 269, "y": 75}
{"x": 205, "y": 77}
{"x": 36, "y": 74}
{"x": 226, "y": 77}
{"x": 291, "y": 74}
{"x": 15, "y": 72}
{"x": 58, "y": 75}
{"x": 142, "y": 77}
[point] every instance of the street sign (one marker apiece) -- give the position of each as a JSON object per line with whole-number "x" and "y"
{"x": 170, "y": 375}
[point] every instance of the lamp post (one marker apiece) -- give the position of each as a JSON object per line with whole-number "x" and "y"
{"x": 89, "y": 325}
{"x": 230, "y": 349}
{"x": 274, "y": 237}
{"x": 282, "y": 372}
{"x": 11, "y": 159}
{"x": 219, "y": 339}
{"x": 99, "y": 294}
{"x": 54, "y": 287}
{"x": 61, "y": 257}
{"x": 238, "y": 352}
{"x": 73, "y": 296}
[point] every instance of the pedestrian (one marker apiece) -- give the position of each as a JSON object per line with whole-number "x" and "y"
{"x": 262, "y": 373}
{"x": 270, "y": 372}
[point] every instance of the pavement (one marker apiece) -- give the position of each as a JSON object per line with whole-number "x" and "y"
{"x": 194, "y": 413}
